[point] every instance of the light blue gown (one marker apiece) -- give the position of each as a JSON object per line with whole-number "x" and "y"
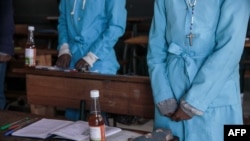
{"x": 92, "y": 26}
{"x": 206, "y": 74}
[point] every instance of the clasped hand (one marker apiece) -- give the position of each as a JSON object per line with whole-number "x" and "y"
{"x": 178, "y": 115}
{"x": 63, "y": 61}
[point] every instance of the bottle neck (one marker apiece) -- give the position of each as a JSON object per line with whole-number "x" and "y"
{"x": 95, "y": 106}
{"x": 31, "y": 37}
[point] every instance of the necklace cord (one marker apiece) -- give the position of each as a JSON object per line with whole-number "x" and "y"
{"x": 190, "y": 36}
{"x": 189, "y": 3}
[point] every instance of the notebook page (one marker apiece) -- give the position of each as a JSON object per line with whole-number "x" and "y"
{"x": 78, "y": 131}
{"x": 42, "y": 128}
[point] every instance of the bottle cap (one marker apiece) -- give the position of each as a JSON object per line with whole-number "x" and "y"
{"x": 94, "y": 93}
{"x": 31, "y": 28}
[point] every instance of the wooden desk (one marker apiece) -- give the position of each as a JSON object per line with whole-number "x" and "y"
{"x": 119, "y": 94}
{"x": 11, "y": 116}
{"x": 44, "y": 57}
{"x": 15, "y": 82}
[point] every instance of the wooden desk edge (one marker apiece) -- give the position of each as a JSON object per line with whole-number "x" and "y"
{"x": 124, "y": 78}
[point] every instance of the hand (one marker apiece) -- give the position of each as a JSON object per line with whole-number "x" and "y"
{"x": 5, "y": 58}
{"x": 180, "y": 115}
{"x": 82, "y": 65}
{"x": 169, "y": 114}
{"x": 63, "y": 61}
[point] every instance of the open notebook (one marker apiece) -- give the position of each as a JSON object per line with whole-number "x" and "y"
{"x": 44, "y": 128}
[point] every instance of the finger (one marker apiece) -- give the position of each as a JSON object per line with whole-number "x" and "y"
{"x": 175, "y": 117}
{"x": 64, "y": 64}
{"x": 58, "y": 63}
{"x": 80, "y": 67}
{"x": 169, "y": 114}
{"x": 81, "y": 64}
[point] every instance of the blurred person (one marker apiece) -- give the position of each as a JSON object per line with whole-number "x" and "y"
{"x": 88, "y": 31}
{"x": 6, "y": 43}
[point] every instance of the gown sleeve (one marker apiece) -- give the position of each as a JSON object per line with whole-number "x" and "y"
{"x": 156, "y": 57}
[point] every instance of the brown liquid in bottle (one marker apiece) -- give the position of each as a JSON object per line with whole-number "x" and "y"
{"x": 95, "y": 119}
{"x": 30, "y": 49}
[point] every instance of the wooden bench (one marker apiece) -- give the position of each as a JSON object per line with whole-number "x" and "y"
{"x": 119, "y": 94}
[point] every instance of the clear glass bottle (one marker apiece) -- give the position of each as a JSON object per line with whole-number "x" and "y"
{"x": 95, "y": 119}
{"x": 30, "y": 49}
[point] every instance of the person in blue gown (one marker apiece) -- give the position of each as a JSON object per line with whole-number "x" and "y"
{"x": 6, "y": 43}
{"x": 88, "y": 31}
{"x": 194, "y": 51}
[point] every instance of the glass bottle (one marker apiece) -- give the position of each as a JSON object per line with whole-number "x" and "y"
{"x": 95, "y": 120}
{"x": 30, "y": 49}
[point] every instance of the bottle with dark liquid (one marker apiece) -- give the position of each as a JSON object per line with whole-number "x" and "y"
{"x": 30, "y": 49}
{"x": 95, "y": 119}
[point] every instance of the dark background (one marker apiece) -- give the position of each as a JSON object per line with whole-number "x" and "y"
{"x": 35, "y": 11}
